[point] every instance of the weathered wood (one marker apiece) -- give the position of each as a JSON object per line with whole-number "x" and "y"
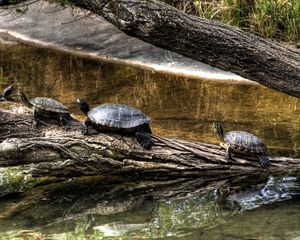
{"x": 271, "y": 64}
{"x": 59, "y": 152}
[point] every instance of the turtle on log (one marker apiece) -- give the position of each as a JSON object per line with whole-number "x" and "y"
{"x": 46, "y": 108}
{"x": 243, "y": 143}
{"x": 117, "y": 118}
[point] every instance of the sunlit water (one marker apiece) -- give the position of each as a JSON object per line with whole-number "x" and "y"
{"x": 181, "y": 108}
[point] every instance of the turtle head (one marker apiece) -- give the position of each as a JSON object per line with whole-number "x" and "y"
{"x": 84, "y": 107}
{"x": 24, "y": 99}
{"x": 218, "y": 129}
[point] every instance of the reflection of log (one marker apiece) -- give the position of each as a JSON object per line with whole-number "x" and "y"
{"x": 101, "y": 195}
{"x": 273, "y": 65}
{"x": 58, "y": 152}
{"x": 168, "y": 203}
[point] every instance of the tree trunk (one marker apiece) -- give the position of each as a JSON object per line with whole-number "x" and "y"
{"x": 271, "y": 64}
{"x": 50, "y": 150}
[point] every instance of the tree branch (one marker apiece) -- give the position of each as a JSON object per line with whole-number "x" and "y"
{"x": 271, "y": 64}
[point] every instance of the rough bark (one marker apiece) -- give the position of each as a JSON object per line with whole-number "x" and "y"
{"x": 53, "y": 151}
{"x": 271, "y": 64}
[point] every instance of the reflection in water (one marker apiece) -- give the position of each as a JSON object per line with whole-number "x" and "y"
{"x": 180, "y": 107}
{"x": 277, "y": 221}
{"x": 279, "y": 188}
{"x": 150, "y": 210}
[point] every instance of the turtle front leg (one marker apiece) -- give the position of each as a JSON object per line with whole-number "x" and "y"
{"x": 144, "y": 139}
{"x": 64, "y": 122}
{"x": 264, "y": 161}
{"x": 228, "y": 155}
{"x": 86, "y": 124}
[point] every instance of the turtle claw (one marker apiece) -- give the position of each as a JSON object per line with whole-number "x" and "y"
{"x": 144, "y": 140}
{"x": 147, "y": 145}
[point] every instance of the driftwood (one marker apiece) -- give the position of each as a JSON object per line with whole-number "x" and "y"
{"x": 271, "y": 64}
{"x": 51, "y": 150}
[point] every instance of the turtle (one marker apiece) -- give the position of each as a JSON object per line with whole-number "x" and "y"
{"x": 242, "y": 142}
{"x": 117, "y": 118}
{"x": 6, "y": 92}
{"x": 46, "y": 108}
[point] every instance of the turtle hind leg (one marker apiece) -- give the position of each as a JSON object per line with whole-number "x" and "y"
{"x": 264, "y": 161}
{"x": 144, "y": 139}
{"x": 35, "y": 118}
{"x": 228, "y": 155}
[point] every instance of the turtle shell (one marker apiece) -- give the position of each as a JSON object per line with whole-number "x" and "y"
{"x": 49, "y": 104}
{"x": 245, "y": 142}
{"x": 117, "y": 116}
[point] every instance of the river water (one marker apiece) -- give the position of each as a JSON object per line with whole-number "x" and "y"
{"x": 179, "y": 107}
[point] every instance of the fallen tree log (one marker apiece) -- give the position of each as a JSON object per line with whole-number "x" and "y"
{"x": 53, "y": 151}
{"x": 268, "y": 63}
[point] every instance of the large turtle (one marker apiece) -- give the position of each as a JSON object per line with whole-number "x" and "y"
{"x": 47, "y": 108}
{"x": 6, "y": 92}
{"x": 117, "y": 118}
{"x": 243, "y": 143}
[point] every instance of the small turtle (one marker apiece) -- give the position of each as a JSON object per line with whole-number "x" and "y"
{"x": 243, "y": 143}
{"x": 46, "y": 107}
{"x": 117, "y": 118}
{"x": 6, "y": 92}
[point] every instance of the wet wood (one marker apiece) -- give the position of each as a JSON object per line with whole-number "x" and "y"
{"x": 271, "y": 64}
{"x": 54, "y": 151}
